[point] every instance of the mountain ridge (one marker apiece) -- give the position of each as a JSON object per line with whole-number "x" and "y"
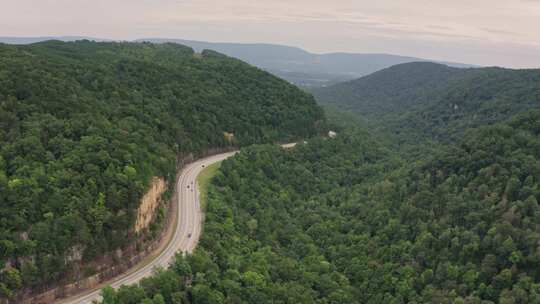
{"x": 294, "y": 64}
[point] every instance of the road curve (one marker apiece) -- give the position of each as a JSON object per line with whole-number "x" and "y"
{"x": 186, "y": 234}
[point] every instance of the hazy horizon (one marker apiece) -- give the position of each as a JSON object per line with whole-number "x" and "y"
{"x": 482, "y": 33}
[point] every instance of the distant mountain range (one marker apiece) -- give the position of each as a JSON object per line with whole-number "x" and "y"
{"x": 291, "y": 63}
{"x": 300, "y": 66}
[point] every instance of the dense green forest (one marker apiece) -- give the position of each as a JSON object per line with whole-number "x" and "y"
{"x": 433, "y": 101}
{"x": 85, "y": 125}
{"x": 352, "y": 219}
{"x": 393, "y": 90}
{"x": 346, "y": 221}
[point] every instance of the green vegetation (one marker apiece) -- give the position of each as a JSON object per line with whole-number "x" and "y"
{"x": 346, "y": 221}
{"x": 449, "y": 215}
{"x": 340, "y": 119}
{"x": 203, "y": 181}
{"x": 419, "y": 101}
{"x": 84, "y": 126}
{"x": 390, "y": 91}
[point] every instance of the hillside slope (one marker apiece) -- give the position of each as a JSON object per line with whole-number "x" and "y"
{"x": 435, "y": 101}
{"x": 84, "y": 126}
{"x": 345, "y": 221}
{"x": 393, "y": 90}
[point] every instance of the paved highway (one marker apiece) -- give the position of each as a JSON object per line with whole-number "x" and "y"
{"x": 186, "y": 235}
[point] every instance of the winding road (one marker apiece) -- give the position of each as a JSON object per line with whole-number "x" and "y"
{"x": 186, "y": 234}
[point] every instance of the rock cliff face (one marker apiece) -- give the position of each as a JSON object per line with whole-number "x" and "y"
{"x": 149, "y": 204}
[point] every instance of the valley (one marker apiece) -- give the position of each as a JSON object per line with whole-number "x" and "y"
{"x": 426, "y": 192}
{"x": 87, "y": 127}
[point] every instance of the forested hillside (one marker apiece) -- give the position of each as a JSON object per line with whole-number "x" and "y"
{"x": 427, "y": 100}
{"x": 390, "y": 91}
{"x": 345, "y": 221}
{"x": 84, "y": 126}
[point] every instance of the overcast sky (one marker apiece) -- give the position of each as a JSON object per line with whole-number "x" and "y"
{"x": 485, "y": 32}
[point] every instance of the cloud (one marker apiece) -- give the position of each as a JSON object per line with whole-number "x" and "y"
{"x": 503, "y": 32}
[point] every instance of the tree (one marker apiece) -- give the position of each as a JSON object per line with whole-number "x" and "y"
{"x": 109, "y": 295}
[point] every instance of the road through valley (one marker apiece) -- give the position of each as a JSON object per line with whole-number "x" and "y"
{"x": 186, "y": 233}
